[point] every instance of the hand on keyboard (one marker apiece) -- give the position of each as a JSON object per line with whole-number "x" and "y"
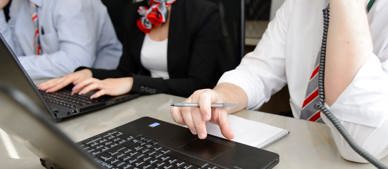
{"x": 111, "y": 87}
{"x": 59, "y": 83}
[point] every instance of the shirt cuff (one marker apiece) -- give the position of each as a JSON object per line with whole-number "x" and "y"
{"x": 250, "y": 87}
{"x": 365, "y": 100}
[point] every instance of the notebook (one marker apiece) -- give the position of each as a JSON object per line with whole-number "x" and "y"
{"x": 249, "y": 132}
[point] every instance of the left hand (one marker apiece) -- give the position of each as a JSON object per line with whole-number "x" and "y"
{"x": 111, "y": 87}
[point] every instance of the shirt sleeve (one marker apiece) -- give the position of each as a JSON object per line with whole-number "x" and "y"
{"x": 362, "y": 109}
{"x": 262, "y": 72}
{"x": 372, "y": 139}
{"x": 77, "y": 43}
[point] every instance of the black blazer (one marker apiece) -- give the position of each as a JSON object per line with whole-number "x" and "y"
{"x": 196, "y": 57}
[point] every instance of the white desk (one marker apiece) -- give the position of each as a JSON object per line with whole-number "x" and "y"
{"x": 309, "y": 145}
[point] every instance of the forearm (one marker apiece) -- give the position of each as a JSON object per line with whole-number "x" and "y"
{"x": 232, "y": 94}
{"x": 54, "y": 65}
{"x": 349, "y": 45}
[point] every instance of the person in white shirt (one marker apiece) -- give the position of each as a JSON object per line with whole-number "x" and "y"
{"x": 356, "y": 72}
{"x": 54, "y": 37}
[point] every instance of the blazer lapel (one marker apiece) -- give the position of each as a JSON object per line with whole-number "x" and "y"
{"x": 134, "y": 36}
{"x": 174, "y": 40}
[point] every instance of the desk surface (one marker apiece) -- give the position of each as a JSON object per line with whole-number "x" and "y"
{"x": 309, "y": 145}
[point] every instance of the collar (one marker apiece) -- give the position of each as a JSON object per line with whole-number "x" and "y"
{"x": 37, "y": 2}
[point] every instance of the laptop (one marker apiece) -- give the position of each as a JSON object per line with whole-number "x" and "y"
{"x": 61, "y": 105}
{"x": 145, "y": 143}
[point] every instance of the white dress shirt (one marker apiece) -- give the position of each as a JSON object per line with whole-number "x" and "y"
{"x": 287, "y": 54}
{"x": 74, "y": 33}
{"x": 154, "y": 57}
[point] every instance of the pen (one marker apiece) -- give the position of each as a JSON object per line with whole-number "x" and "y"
{"x": 214, "y": 105}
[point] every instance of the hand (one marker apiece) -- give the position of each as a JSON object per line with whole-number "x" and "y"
{"x": 196, "y": 118}
{"x": 3, "y": 3}
{"x": 59, "y": 83}
{"x": 111, "y": 87}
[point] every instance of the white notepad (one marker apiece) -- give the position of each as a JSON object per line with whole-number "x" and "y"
{"x": 249, "y": 132}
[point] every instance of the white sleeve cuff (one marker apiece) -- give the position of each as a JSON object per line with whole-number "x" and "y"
{"x": 245, "y": 81}
{"x": 365, "y": 100}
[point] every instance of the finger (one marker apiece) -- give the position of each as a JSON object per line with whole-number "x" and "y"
{"x": 199, "y": 123}
{"x": 215, "y": 116}
{"x": 98, "y": 94}
{"x": 224, "y": 124}
{"x": 91, "y": 87}
{"x": 205, "y": 102}
{"x": 46, "y": 85}
{"x": 61, "y": 84}
{"x": 78, "y": 87}
{"x": 187, "y": 119}
{"x": 176, "y": 115}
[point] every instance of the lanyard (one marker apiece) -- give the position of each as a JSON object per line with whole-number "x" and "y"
{"x": 370, "y": 4}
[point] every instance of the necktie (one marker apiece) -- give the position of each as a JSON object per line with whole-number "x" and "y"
{"x": 309, "y": 110}
{"x": 35, "y": 20}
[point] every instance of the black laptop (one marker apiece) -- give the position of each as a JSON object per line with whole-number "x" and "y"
{"x": 145, "y": 143}
{"x": 61, "y": 104}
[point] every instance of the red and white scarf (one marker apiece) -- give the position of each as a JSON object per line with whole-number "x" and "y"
{"x": 153, "y": 15}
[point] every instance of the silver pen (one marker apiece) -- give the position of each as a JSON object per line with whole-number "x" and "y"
{"x": 214, "y": 105}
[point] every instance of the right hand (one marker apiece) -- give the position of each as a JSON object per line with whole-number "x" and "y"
{"x": 196, "y": 118}
{"x": 59, "y": 83}
{"x": 3, "y": 3}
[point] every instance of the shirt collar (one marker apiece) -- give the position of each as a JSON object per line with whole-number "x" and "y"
{"x": 37, "y": 2}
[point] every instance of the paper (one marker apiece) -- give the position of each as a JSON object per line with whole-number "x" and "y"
{"x": 249, "y": 132}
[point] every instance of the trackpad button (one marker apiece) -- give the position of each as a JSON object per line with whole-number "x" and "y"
{"x": 205, "y": 149}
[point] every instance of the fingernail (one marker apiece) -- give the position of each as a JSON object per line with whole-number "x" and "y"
{"x": 202, "y": 136}
{"x": 192, "y": 131}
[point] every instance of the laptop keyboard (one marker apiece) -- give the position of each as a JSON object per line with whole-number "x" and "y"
{"x": 116, "y": 150}
{"x": 64, "y": 98}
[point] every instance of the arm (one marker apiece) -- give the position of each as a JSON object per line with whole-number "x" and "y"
{"x": 358, "y": 94}
{"x": 76, "y": 43}
{"x": 349, "y": 45}
{"x": 260, "y": 74}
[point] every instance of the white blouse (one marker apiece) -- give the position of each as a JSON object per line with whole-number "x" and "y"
{"x": 153, "y": 57}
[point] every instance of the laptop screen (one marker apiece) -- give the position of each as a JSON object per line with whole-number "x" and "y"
{"x": 14, "y": 75}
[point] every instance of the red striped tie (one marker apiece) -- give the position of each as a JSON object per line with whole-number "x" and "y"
{"x": 35, "y": 20}
{"x": 309, "y": 110}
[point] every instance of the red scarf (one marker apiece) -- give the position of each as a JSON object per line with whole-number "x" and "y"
{"x": 153, "y": 15}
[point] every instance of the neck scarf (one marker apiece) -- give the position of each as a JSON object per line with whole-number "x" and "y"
{"x": 153, "y": 15}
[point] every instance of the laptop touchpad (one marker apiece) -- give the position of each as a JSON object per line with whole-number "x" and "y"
{"x": 205, "y": 149}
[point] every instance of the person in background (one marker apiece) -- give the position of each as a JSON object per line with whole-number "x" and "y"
{"x": 54, "y": 37}
{"x": 291, "y": 52}
{"x": 173, "y": 47}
